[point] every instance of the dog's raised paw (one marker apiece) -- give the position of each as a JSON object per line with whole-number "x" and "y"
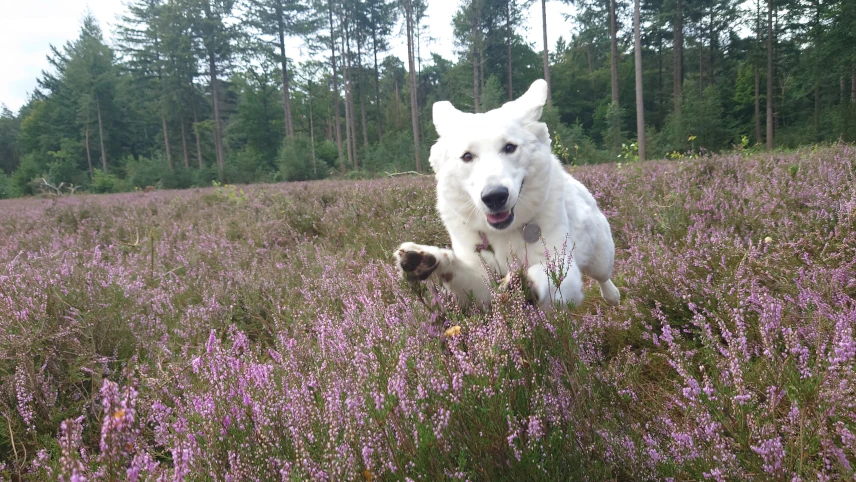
{"x": 416, "y": 264}
{"x": 513, "y": 282}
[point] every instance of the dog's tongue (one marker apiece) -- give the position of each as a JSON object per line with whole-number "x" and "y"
{"x": 498, "y": 217}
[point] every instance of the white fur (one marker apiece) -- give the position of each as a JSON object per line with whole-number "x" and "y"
{"x": 562, "y": 207}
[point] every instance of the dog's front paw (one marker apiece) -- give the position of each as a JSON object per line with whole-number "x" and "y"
{"x": 415, "y": 261}
{"x": 532, "y": 290}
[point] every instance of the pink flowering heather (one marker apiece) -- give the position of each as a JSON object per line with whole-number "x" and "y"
{"x": 263, "y": 334}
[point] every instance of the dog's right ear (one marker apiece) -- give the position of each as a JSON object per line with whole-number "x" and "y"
{"x": 445, "y": 116}
{"x": 530, "y": 105}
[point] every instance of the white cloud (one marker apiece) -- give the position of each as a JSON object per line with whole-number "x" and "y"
{"x": 28, "y": 28}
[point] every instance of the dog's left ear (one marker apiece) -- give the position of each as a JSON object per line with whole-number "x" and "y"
{"x": 530, "y": 105}
{"x": 445, "y": 117}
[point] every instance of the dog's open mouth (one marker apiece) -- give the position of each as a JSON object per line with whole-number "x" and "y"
{"x": 500, "y": 220}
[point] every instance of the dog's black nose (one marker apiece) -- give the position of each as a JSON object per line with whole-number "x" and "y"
{"x": 495, "y": 197}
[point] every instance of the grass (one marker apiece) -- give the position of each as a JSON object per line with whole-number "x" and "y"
{"x": 262, "y": 333}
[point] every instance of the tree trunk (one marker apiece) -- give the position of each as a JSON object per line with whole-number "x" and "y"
{"x": 360, "y": 89}
{"x": 349, "y": 107}
{"x": 184, "y": 145}
{"x": 198, "y": 141}
{"x": 640, "y": 105}
{"x": 678, "y": 28}
{"x": 770, "y": 95}
{"x": 166, "y": 142}
{"x": 88, "y": 152}
{"x": 414, "y": 108}
{"x": 378, "y": 111}
{"x": 475, "y": 59}
{"x": 853, "y": 88}
{"x": 545, "y": 52}
{"x": 101, "y": 135}
{"x": 286, "y": 94}
{"x": 613, "y": 40}
{"x": 215, "y": 100}
{"x": 335, "y": 87}
{"x": 312, "y": 133}
{"x": 508, "y": 45}
{"x": 758, "y": 139}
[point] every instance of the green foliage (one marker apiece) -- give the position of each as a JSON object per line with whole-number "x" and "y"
{"x": 107, "y": 183}
{"x": 249, "y": 165}
{"x": 23, "y": 177}
{"x": 394, "y": 153}
{"x": 615, "y": 134}
{"x": 6, "y": 190}
{"x": 143, "y": 172}
{"x": 148, "y": 97}
{"x": 296, "y": 162}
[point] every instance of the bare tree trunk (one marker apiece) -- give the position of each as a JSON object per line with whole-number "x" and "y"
{"x": 853, "y": 88}
{"x": 215, "y": 100}
{"x": 545, "y": 52}
{"x": 349, "y": 108}
{"x": 508, "y": 45}
{"x": 184, "y": 145}
{"x": 88, "y": 152}
{"x": 613, "y": 40}
{"x": 101, "y": 135}
{"x": 640, "y": 104}
{"x": 166, "y": 142}
{"x": 360, "y": 89}
{"x": 757, "y": 105}
{"x": 758, "y": 139}
{"x": 414, "y": 108}
{"x": 475, "y": 58}
{"x": 376, "y": 84}
{"x": 286, "y": 94}
{"x": 770, "y": 95}
{"x": 843, "y": 90}
{"x": 198, "y": 141}
{"x": 312, "y": 133}
{"x": 678, "y": 28}
{"x": 335, "y": 87}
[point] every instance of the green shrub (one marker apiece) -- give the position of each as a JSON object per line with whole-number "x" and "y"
{"x": 142, "y": 172}
{"x": 22, "y": 178}
{"x": 5, "y": 186}
{"x": 248, "y": 166}
{"x": 107, "y": 183}
{"x": 296, "y": 162}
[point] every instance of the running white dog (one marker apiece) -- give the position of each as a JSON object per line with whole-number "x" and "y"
{"x": 501, "y": 191}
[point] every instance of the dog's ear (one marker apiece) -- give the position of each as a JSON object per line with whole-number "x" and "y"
{"x": 445, "y": 117}
{"x": 530, "y": 105}
{"x": 437, "y": 157}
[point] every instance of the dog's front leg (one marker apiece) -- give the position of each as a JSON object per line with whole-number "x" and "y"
{"x": 542, "y": 283}
{"x": 419, "y": 263}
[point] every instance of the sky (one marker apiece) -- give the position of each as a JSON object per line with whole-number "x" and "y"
{"x": 29, "y": 27}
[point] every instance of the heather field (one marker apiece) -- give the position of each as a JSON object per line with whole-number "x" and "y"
{"x": 261, "y": 333}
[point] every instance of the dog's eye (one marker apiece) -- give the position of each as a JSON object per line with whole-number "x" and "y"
{"x": 467, "y": 157}
{"x": 509, "y": 148}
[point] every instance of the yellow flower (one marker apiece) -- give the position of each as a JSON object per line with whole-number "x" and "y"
{"x": 768, "y": 240}
{"x": 453, "y": 331}
{"x": 120, "y": 414}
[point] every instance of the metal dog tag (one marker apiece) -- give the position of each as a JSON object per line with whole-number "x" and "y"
{"x": 531, "y": 233}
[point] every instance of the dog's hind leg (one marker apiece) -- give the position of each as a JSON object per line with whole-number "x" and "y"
{"x": 610, "y": 293}
{"x": 420, "y": 262}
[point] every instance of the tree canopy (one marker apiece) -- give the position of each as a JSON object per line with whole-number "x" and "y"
{"x": 193, "y": 91}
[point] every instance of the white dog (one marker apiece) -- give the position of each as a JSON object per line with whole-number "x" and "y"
{"x": 501, "y": 192}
